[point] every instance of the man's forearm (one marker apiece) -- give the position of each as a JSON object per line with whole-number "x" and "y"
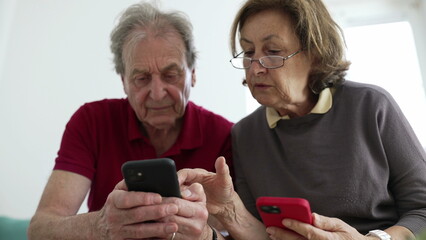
{"x": 48, "y": 226}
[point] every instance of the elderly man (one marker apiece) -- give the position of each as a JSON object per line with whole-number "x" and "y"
{"x": 155, "y": 56}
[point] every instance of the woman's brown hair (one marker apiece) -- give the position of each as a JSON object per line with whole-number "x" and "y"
{"x": 318, "y": 33}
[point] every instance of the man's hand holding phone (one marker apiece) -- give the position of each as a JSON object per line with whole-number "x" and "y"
{"x": 125, "y": 213}
{"x": 145, "y": 181}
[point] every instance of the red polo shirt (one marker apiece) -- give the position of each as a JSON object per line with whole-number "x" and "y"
{"x": 102, "y": 135}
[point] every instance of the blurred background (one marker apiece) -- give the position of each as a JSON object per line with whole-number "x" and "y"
{"x": 54, "y": 57}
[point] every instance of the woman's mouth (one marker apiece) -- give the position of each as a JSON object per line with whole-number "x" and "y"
{"x": 261, "y": 85}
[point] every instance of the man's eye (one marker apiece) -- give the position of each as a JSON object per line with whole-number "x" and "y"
{"x": 141, "y": 80}
{"x": 171, "y": 77}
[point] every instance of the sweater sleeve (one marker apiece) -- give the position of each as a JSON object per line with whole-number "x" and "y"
{"x": 240, "y": 182}
{"x": 407, "y": 165}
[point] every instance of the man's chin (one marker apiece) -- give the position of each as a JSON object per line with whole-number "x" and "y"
{"x": 162, "y": 124}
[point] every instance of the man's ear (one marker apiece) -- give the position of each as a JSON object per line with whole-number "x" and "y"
{"x": 193, "y": 78}
{"x": 124, "y": 86}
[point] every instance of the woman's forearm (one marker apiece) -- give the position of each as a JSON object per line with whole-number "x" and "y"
{"x": 399, "y": 232}
{"x": 240, "y": 223}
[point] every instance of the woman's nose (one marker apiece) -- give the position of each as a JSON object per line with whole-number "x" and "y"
{"x": 256, "y": 67}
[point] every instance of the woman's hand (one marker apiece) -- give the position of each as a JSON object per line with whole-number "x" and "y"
{"x": 223, "y": 202}
{"x": 323, "y": 228}
{"x": 217, "y": 186}
{"x": 192, "y": 215}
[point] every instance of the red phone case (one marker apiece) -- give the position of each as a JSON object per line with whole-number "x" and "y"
{"x": 273, "y": 210}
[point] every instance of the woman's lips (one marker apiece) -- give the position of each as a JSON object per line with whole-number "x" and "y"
{"x": 262, "y": 86}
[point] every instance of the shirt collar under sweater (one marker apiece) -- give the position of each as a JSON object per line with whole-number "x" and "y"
{"x": 325, "y": 101}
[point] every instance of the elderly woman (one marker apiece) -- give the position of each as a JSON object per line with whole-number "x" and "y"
{"x": 344, "y": 146}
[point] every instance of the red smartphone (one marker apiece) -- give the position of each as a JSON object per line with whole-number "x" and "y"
{"x": 273, "y": 210}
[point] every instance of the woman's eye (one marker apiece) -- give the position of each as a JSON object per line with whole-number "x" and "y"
{"x": 248, "y": 53}
{"x": 274, "y": 52}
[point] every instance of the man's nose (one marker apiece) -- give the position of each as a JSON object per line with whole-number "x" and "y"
{"x": 157, "y": 88}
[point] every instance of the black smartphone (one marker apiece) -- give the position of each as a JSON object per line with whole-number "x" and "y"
{"x": 152, "y": 175}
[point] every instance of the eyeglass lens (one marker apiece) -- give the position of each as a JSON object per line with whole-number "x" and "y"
{"x": 266, "y": 61}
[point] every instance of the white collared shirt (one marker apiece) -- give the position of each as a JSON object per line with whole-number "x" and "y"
{"x": 325, "y": 101}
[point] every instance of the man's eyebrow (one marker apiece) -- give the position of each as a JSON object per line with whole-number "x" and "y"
{"x": 138, "y": 71}
{"x": 171, "y": 66}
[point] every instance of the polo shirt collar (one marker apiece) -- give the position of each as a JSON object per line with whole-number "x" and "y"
{"x": 325, "y": 101}
{"x": 133, "y": 124}
{"x": 191, "y": 133}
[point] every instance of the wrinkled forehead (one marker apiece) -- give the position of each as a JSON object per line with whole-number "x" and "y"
{"x": 268, "y": 26}
{"x": 151, "y": 45}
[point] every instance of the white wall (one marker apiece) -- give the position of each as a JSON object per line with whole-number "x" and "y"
{"x": 349, "y": 13}
{"x": 54, "y": 56}
{"x": 418, "y": 20}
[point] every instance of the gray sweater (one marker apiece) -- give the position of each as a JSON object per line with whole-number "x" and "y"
{"x": 360, "y": 162}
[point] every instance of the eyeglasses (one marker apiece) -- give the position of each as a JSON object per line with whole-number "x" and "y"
{"x": 270, "y": 62}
